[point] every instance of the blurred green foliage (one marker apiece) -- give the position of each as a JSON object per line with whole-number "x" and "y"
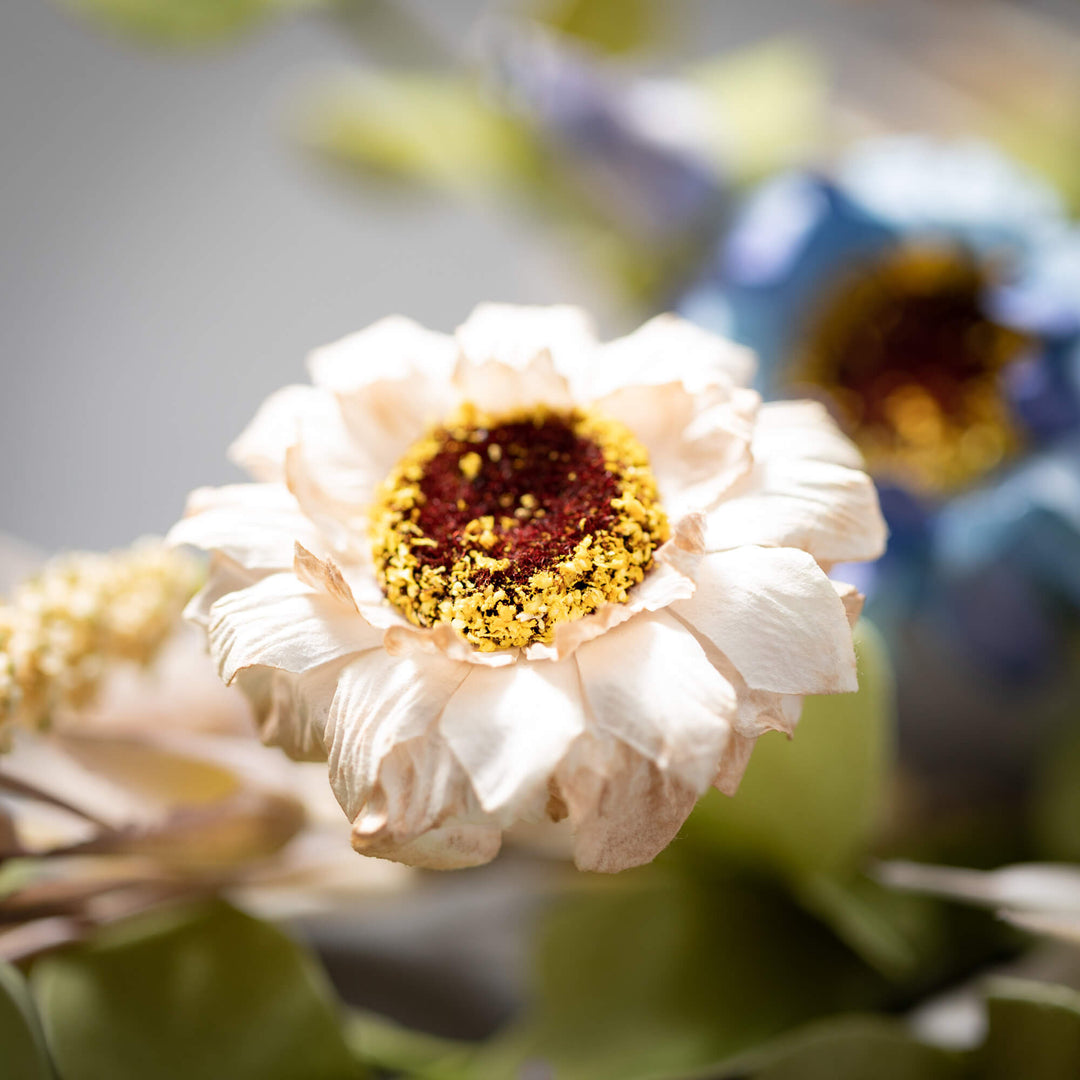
{"x": 1034, "y": 1032}
{"x": 765, "y": 106}
{"x": 667, "y": 975}
{"x": 208, "y": 992}
{"x": 1056, "y": 803}
{"x": 419, "y": 128}
{"x": 184, "y": 22}
{"x": 852, "y": 1048}
{"x": 811, "y": 805}
{"x": 22, "y": 1043}
{"x": 614, "y": 26}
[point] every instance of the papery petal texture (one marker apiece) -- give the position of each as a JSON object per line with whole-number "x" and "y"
{"x": 618, "y": 720}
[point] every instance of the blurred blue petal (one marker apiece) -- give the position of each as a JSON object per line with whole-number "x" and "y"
{"x": 1045, "y": 297}
{"x": 788, "y": 244}
{"x": 991, "y": 564}
{"x": 1043, "y": 392}
{"x": 964, "y": 190}
{"x": 1031, "y": 515}
{"x": 1000, "y": 619}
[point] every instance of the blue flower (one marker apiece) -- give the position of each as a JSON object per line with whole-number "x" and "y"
{"x": 930, "y": 292}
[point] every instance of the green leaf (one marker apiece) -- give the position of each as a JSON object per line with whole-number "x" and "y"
{"x": 766, "y": 107}
{"x": 199, "y": 992}
{"x": 433, "y": 130}
{"x": 22, "y": 1044}
{"x": 810, "y": 805}
{"x": 389, "y": 1046}
{"x": 657, "y": 976}
{"x": 1034, "y": 1032}
{"x": 854, "y": 1048}
{"x": 181, "y": 22}
{"x": 1056, "y": 804}
{"x": 883, "y": 927}
{"x": 615, "y": 26}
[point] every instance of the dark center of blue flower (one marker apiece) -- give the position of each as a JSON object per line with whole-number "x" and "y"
{"x": 906, "y": 350}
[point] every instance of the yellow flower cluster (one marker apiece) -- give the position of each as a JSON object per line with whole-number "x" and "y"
{"x": 477, "y": 591}
{"x": 62, "y": 628}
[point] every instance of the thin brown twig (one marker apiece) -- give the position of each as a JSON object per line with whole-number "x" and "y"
{"x": 26, "y": 790}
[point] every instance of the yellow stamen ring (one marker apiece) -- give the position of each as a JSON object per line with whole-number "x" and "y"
{"x": 506, "y": 526}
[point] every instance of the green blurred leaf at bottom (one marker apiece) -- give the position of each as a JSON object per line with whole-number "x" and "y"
{"x": 206, "y": 993}
{"x": 399, "y": 1050}
{"x": 857, "y": 1048}
{"x": 809, "y": 805}
{"x": 661, "y": 976}
{"x": 1034, "y": 1032}
{"x": 22, "y": 1045}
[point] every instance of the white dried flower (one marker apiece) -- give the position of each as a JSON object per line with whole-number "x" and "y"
{"x": 515, "y": 573}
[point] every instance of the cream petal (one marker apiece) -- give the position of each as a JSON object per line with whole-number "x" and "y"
{"x": 390, "y": 382}
{"x": 395, "y": 347}
{"x": 509, "y": 729}
{"x": 291, "y": 710}
{"x": 670, "y": 579}
{"x": 305, "y": 424}
{"x": 666, "y": 348}
{"x": 403, "y": 639}
{"x": 222, "y": 576}
{"x": 382, "y": 702}
{"x": 757, "y": 711}
{"x": 762, "y": 710}
{"x": 387, "y": 417}
{"x": 420, "y": 787}
{"x": 829, "y": 510}
{"x": 623, "y": 808}
{"x": 260, "y": 447}
{"x": 501, "y": 389}
{"x": 649, "y": 684}
{"x": 323, "y": 575}
{"x": 280, "y": 622}
{"x": 776, "y": 616}
{"x": 329, "y": 470}
{"x": 804, "y": 430}
{"x": 734, "y": 762}
{"x": 341, "y": 523}
{"x": 255, "y": 525}
{"x": 452, "y": 847}
{"x": 851, "y": 598}
{"x": 698, "y": 442}
{"x": 513, "y": 357}
{"x": 514, "y": 336}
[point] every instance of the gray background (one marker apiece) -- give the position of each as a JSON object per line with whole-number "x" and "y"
{"x": 168, "y": 257}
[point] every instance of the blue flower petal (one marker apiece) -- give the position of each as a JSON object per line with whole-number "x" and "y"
{"x": 1031, "y": 516}
{"x": 1043, "y": 392}
{"x": 790, "y": 242}
{"x": 964, "y": 190}
{"x": 1045, "y": 297}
